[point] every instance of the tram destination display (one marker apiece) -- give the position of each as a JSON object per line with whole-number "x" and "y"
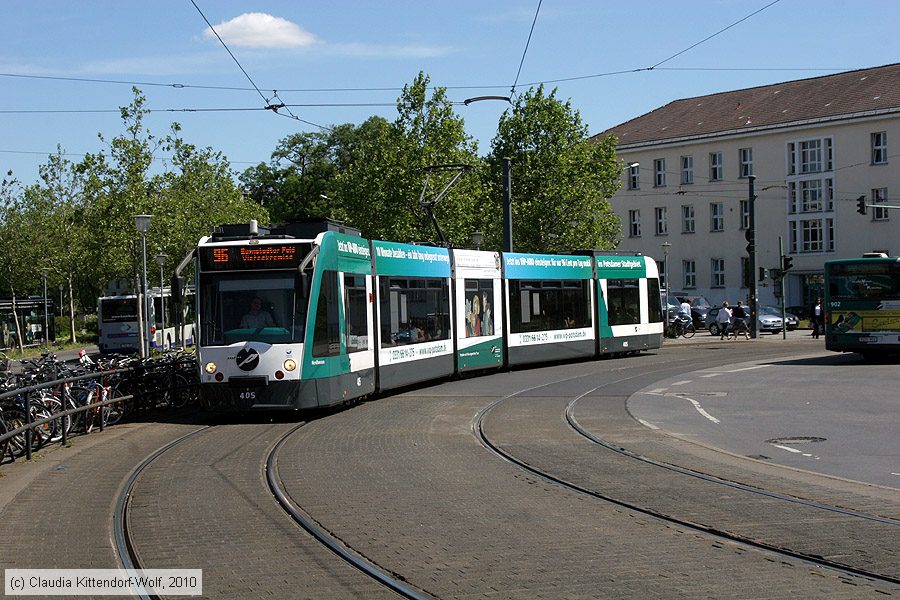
{"x": 261, "y": 256}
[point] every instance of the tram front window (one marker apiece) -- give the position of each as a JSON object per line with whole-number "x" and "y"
{"x": 263, "y": 307}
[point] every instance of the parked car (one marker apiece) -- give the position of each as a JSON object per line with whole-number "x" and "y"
{"x": 765, "y": 322}
{"x": 699, "y": 306}
{"x": 791, "y": 320}
{"x": 802, "y": 312}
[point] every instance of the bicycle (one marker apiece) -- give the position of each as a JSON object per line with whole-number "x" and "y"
{"x": 681, "y": 326}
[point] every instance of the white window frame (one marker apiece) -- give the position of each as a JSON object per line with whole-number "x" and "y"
{"x": 688, "y": 222}
{"x": 689, "y": 274}
{"x": 717, "y": 272}
{"x": 716, "y": 216}
{"x": 879, "y": 196}
{"x": 634, "y": 223}
{"x": 716, "y": 166}
{"x": 662, "y": 226}
{"x": 813, "y": 235}
{"x": 811, "y": 195}
{"x": 745, "y": 162}
{"x": 879, "y": 148}
{"x": 659, "y": 172}
{"x": 745, "y": 214}
{"x": 687, "y": 170}
{"x": 634, "y": 177}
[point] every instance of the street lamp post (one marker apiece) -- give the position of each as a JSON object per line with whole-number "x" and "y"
{"x": 46, "y": 318}
{"x": 142, "y": 222}
{"x": 665, "y": 248}
{"x": 161, "y": 261}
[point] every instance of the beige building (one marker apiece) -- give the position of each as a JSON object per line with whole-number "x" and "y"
{"x": 815, "y": 146}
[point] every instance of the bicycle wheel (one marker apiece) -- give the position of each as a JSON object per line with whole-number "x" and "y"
{"x": 184, "y": 393}
{"x": 113, "y": 413}
{"x": 688, "y": 330}
{"x": 15, "y": 418}
{"x": 4, "y": 445}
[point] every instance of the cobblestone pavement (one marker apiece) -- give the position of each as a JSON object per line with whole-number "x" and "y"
{"x": 403, "y": 481}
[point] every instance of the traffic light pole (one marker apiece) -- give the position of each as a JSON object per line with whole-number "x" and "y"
{"x": 781, "y": 285}
{"x": 751, "y": 250}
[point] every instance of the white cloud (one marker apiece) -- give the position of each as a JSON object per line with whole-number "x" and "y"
{"x": 259, "y": 30}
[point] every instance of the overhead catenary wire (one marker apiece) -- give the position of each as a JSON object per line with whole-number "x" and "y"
{"x": 512, "y": 91}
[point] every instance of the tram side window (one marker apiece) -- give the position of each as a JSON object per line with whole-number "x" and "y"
{"x": 355, "y": 311}
{"x": 326, "y": 334}
{"x": 623, "y": 298}
{"x": 479, "y": 309}
{"x": 413, "y": 310}
{"x": 654, "y": 300}
{"x": 548, "y": 305}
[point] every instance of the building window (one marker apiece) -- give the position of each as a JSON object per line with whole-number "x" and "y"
{"x": 792, "y": 159}
{"x": 879, "y": 196}
{"x": 745, "y": 272}
{"x": 813, "y": 240}
{"x": 811, "y": 195}
{"x": 745, "y": 157}
{"x": 716, "y": 216}
{"x": 689, "y": 271}
{"x": 792, "y": 237}
{"x": 717, "y": 272}
{"x": 829, "y": 229}
{"x": 687, "y": 218}
{"x": 659, "y": 172}
{"x": 715, "y": 166}
{"x": 634, "y": 177}
{"x": 687, "y": 170}
{"x": 879, "y": 148}
{"x": 792, "y": 197}
{"x": 829, "y": 194}
{"x": 662, "y": 227}
{"x": 745, "y": 214}
{"x": 811, "y": 156}
{"x": 661, "y": 267}
{"x": 634, "y": 223}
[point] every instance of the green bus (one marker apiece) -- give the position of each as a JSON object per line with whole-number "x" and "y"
{"x": 862, "y": 305}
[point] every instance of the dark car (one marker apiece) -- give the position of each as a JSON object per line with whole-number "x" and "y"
{"x": 802, "y": 312}
{"x": 699, "y": 306}
{"x": 765, "y": 322}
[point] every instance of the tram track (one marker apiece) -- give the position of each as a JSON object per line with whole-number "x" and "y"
{"x": 390, "y": 581}
{"x": 124, "y": 543}
{"x": 665, "y": 516}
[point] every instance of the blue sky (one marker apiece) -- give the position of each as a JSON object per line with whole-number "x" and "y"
{"x": 472, "y": 47}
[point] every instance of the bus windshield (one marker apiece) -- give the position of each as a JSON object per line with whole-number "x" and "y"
{"x": 118, "y": 310}
{"x": 861, "y": 281}
{"x": 251, "y": 306}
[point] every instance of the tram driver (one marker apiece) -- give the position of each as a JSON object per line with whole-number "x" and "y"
{"x": 257, "y": 318}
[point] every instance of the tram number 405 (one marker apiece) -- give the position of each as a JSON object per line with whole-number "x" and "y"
{"x": 248, "y": 395}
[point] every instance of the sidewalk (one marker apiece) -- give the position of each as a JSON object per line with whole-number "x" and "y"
{"x": 703, "y": 336}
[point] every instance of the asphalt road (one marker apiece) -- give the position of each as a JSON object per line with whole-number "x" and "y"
{"x": 828, "y": 413}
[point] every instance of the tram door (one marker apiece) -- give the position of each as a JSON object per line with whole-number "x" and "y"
{"x": 359, "y": 323}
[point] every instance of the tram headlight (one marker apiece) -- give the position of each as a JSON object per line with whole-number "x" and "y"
{"x": 210, "y": 367}
{"x": 290, "y": 364}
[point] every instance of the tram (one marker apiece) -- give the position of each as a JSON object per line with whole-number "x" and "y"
{"x": 311, "y": 315}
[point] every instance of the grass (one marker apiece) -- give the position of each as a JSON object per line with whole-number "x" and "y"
{"x": 32, "y": 351}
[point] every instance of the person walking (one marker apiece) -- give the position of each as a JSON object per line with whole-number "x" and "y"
{"x": 739, "y": 324}
{"x": 723, "y": 319}
{"x": 817, "y": 315}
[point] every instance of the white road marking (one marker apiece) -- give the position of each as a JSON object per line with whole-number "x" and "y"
{"x": 656, "y": 391}
{"x": 789, "y": 449}
{"x": 703, "y": 412}
{"x": 711, "y": 375}
{"x": 646, "y": 424}
{"x": 747, "y": 368}
{"x": 686, "y": 381}
{"x": 895, "y": 473}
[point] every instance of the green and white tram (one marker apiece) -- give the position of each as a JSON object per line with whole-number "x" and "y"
{"x": 313, "y": 315}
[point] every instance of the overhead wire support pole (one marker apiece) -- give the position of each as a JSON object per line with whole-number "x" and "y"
{"x": 751, "y": 250}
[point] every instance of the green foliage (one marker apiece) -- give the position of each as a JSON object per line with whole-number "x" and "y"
{"x": 561, "y": 181}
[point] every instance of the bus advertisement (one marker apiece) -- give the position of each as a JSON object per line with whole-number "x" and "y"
{"x": 862, "y": 306}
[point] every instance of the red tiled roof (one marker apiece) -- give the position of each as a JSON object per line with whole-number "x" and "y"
{"x": 853, "y": 92}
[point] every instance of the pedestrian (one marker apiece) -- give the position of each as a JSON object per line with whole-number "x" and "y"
{"x": 817, "y": 316}
{"x": 740, "y": 322}
{"x": 723, "y": 319}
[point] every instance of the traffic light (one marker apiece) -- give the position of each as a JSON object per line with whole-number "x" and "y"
{"x": 750, "y": 241}
{"x": 787, "y": 263}
{"x": 776, "y": 274}
{"x": 861, "y": 205}
{"x": 763, "y": 273}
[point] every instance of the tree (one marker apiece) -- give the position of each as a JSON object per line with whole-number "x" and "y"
{"x": 14, "y": 268}
{"x": 561, "y": 181}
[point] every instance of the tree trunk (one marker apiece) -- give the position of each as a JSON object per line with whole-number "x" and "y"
{"x": 15, "y": 315}
{"x": 71, "y": 312}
